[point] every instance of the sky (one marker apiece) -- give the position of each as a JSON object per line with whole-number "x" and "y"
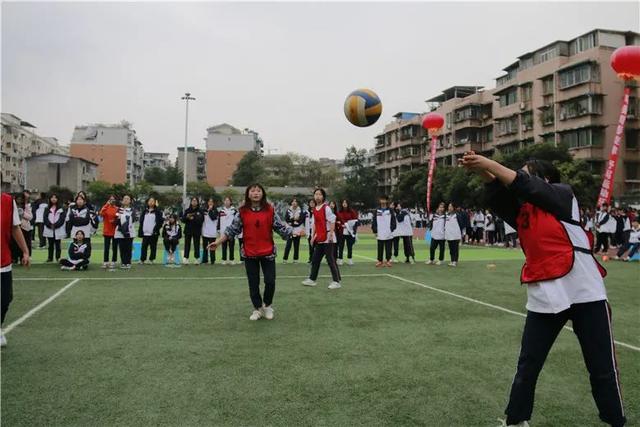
{"x": 283, "y": 69}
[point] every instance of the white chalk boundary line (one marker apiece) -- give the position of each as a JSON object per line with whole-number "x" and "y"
{"x": 38, "y": 307}
{"x": 54, "y": 279}
{"x": 486, "y": 304}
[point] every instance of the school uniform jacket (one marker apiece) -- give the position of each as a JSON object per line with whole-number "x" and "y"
{"x": 81, "y": 219}
{"x": 194, "y": 225}
{"x": 560, "y": 269}
{"x": 437, "y": 224}
{"x": 210, "y": 223}
{"x": 125, "y": 219}
{"x": 226, "y": 217}
{"x": 295, "y": 218}
{"x": 452, "y": 227}
{"x": 403, "y": 224}
{"x": 155, "y": 216}
{"x": 172, "y": 232}
{"x": 605, "y": 223}
{"x": 54, "y": 223}
{"x": 384, "y": 223}
{"x": 79, "y": 251}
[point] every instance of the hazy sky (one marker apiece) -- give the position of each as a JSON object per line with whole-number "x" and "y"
{"x": 282, "y": 69}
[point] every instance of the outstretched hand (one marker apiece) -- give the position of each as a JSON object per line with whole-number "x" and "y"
{"x": 213, "y": 246}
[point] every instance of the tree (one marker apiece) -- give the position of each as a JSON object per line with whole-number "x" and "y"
{"x": 142, "y": 190}
{"x": 359, "y": 183}
{"x": 249, "y": 170}
{"x": 232, "y": 194}
{"x": 155, "y": 176}
{"x": 203, "y": 191}
{"x": 171, "y": 199}
{"x": 548, "y": 152}
{"x": 584, "y": 184}
{"x": 172, "y": 176}
{"x": 99, "y": 192}
{"x": 280, "y": 170}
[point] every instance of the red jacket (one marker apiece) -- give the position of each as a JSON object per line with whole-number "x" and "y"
{"x": 343, "y": 217}
{"x": 108, "y": 213}
{"x": 6, "y": 227}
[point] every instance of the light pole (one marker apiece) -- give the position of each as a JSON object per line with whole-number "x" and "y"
{"x": 187, "y": 97}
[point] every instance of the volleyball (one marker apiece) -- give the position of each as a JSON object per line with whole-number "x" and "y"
{"x": 362, "y": 107}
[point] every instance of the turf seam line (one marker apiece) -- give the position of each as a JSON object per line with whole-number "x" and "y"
{"x": 486, "y": 304}
{"x": 40, "y": 306}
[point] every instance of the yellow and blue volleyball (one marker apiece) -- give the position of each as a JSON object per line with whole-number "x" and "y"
{"x": 362, "y": 107}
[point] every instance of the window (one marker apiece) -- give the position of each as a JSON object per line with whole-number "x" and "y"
{"x": 448, "y": 120}
{"x": 527, "y": 121}
{"x": 632, "y": 171}
{"x": 632, "y": 112}
{"x": 467, "y": 113}
{"x": 578, "y": 75}
{"x": 509, "y": 97}
{"x": 549, "y": 138}
{"x": 508, "y": 126}
{"x": 587, "y": 137}
{"x": 547, "y": 117}
{"x": 583, "y": 43}
{"x": 546, "y": 55}
{"x": 581, "y": 107}
{"x": 631, "y": 139}
{"x": 509, "y": 148}
{"x": 526, "y": 93}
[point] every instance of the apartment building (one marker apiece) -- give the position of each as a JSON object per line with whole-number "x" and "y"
{"x": 226, "y": 145}
{"x": 156, "y": 160}
{"x": 196, "y": 163}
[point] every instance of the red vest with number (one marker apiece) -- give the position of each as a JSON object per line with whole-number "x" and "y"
{"x": 6, "y": 225}
{"x": 257, "y": 231}
{"x": 546, "y": 244}
{"x": 320, "y": 223}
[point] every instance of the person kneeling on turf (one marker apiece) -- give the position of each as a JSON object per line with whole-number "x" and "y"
{"x": 79, "y": 253}
{"x": 257, "y": 220}
{"x": 564, "y": 281}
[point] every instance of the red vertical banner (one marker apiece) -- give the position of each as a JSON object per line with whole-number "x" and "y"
{"x": 607, "y": 182}
{"x": 432, "y": 165}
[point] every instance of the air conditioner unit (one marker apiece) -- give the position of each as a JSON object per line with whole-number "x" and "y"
{"x": 522, "y": 106}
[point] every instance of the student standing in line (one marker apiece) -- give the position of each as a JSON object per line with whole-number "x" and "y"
{"x": 227, "y": 214}
{"x": 26, "y": 215}
{"x": 437, "y": 223}
{"x": 490, "y": 227}
{"x": 295, "y": 218}
{"x": 149, "y": 229}
{"x": 258, "y": 220}
{"x": 108, "y": 213}
{"x": 192, "y": 218}
{"x": 80, "y": 216}
{"x": 605, "y": 227}
{"x": 510, "y": 236}
{"x": 125, "y": 231}
{"x": 383, "y": 226}
{"x": 338, "y": 229}
{"x": 453, "y": 234}
{"x": 54, "y": 231}
{"x": 478, "y": 226}
{"x": 324, "y": 240}
{"x": 348, "y": 218}
{"x": 209, "y": 230}
{"x": 404, "y": 231}
{"x": 41, "y": 204}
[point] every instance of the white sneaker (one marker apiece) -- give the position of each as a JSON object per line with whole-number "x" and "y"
{"x": 412, "y": 261}
{"x": 428, "y": 262}
{"x": 308, "y": 282}
{"x": 112, "y": 265}
{"x": 3, "y": 340}
{"x": 295, "y": 261}
{"x": 350, "y": 261}
{"x": 438, "y": 262}
{"x": 334, "y": 285}
{"x": 268, "y": 312}
{"x": 105, "y": 264}
{"x": 340, "y": 262}
{"x": 284, "y": 261}
{"x": 394, "y": 260}
{"x": 140, "y": 262}
{"x": 64, "y": 267}
{"x": 256, "y": 315}
{"x": 503, "y": 423}
{"x": 185, "y": 261}
{"x": 453, "y": 264}
{"x": 197, "y": 261}
{"x": 151, "y": 262}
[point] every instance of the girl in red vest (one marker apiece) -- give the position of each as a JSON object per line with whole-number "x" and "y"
{"x": 323, "y": 240}
{"x": 257, "y": 221}
{"x": 564, "y": 281}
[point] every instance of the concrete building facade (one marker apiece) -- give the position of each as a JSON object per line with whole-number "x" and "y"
{"x": 115, "y": 148}
{"x": 156, "y": 160}
{"x": 20, "y": 141}
{"x": 225, "y": 147}
{"x": 196, "y": 163}
{"x": 45, "y": 170}
{"x": 564, "y": 92}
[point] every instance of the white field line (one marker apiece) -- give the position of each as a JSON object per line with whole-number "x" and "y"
{"x": 486, "y": 304}
{"x": 38, "y": 307}
{"x": 52, "y": 279}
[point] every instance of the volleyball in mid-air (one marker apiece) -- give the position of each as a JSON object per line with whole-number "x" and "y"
{"x": 362, "y": 107}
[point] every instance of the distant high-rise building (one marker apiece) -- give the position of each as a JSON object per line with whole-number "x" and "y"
{"x": 226, "y": 145}
{"x": 156, "y": 160}
{"x": 196, "y": 164}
